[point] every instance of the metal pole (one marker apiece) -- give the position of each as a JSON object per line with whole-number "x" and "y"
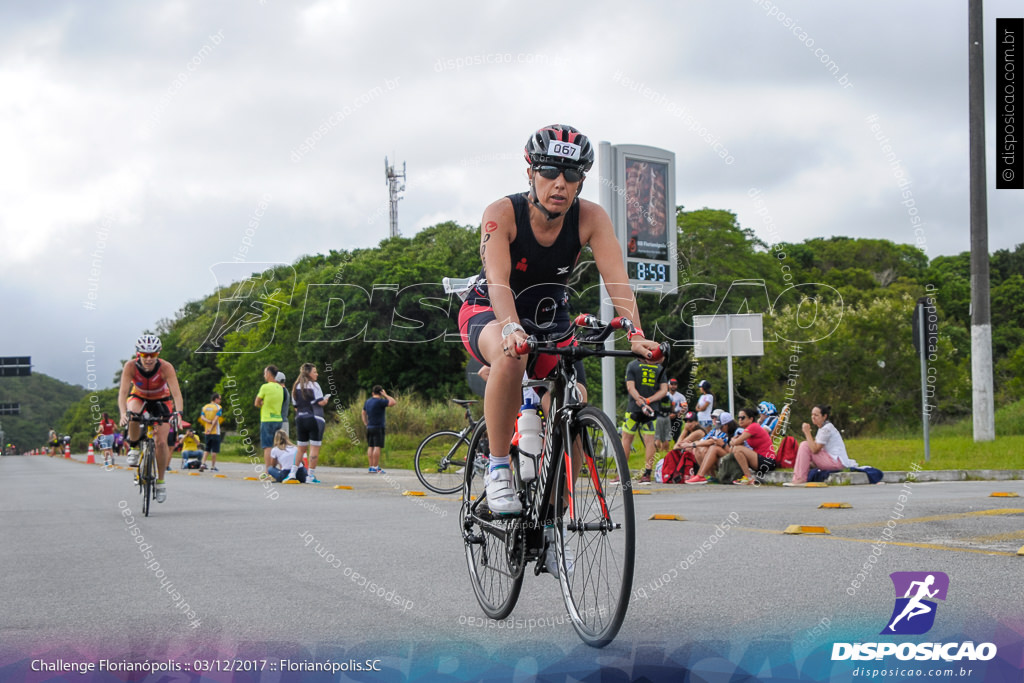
{"x": 607, "y": 199}
{"x": 924, "y": 381}
{"x": 981, "y": 320}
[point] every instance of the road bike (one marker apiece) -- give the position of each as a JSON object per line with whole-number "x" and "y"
{"x": 145, "y": 477}
{"x": 591, "y": 526}
{"x": 441, "y": 457}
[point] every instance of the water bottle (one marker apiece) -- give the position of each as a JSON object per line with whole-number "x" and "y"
{"x": 530, "y": 441}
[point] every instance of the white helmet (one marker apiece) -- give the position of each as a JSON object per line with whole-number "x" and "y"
{"x": 148, "y": 343}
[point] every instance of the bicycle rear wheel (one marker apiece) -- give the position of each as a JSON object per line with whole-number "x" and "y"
{"x": 440, "y": 460}
{"x": 495, "y": 550}
{"x": 147, "y": 474}
{"x": 597, "y": 532}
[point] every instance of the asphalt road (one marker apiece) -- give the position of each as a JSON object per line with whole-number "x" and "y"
{"x": 229, "y": 568}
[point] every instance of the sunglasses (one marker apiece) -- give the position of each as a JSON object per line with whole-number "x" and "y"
{"x": 572, "y": 175}
{"x": 147, "y": 356}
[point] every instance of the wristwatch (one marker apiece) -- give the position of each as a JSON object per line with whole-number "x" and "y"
{"x": 510, "y": 328}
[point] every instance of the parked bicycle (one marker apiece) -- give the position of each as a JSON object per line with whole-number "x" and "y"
{"x": 441, "y": 457}
{"x": 580, "y": 503}
{"x": 145, "y": 476}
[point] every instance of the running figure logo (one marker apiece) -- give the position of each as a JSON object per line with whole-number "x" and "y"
{"x": 914, "y": 613}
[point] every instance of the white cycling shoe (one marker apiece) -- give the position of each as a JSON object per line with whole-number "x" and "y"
{"x": 501, "y": 492}
{"x": 133, "y": 457}
{"x": 160, "y": 492}
{"x": 550, "y": 557}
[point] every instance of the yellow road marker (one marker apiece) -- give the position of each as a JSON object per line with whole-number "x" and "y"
{"x": 816, "y": 485}
{"x": 800, "y": 529}
{"x": 193, "y": 474}
{"x": 220, "y": 476}
{"x": 674, "y": 518}
{"x": 832, "y": 506}
{"x": 342, "y": 486}
{"x": 1003, "y": 494}
{"x": 251, "y": 478}
{"x": 291, "y": 481}
{"x": 1021, "y": 551}
{"x": 413, "y": 493}
{"x": 641, "y": 493}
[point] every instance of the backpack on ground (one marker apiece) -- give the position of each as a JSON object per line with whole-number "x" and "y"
{"x": 728, "y": 470}
{"x": 679, "y": 466}
{"x": 874, "y": 474}
{"x": 785, "y": 454}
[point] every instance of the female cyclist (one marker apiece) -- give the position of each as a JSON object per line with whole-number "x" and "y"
{"x": 150, "y": 384}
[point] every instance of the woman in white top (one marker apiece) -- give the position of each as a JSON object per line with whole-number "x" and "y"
{"x": 826, "y": 450}
{"x": 282, "y": 460}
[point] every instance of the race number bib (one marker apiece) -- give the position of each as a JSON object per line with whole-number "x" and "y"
{"x": 564, "y": 149}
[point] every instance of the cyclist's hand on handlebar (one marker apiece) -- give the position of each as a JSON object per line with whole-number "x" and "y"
{"x": 515, "y": 345}
{"x": 645, "y": 348}
{"x": 124, "y": 419}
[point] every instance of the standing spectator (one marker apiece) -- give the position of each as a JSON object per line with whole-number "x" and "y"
{"x": 752, "y": 447}
{"x": 210, "y": 417}
{"x": 269, "y": 400}
{"x": 679, "y": 407}
{"x": 284, "y": 465}
{"x": 286, "y": 404}
{"x": 663, "y": 424}
{"x": 373, "y": 418}
{"x": 705, "y": 404}
{"x": 53, "y": 441}
{"x": 309, "y": 402}
{"x": 106, "y": 429}
{"x": 827, "y": 450}
{"x": 645, "y": 383}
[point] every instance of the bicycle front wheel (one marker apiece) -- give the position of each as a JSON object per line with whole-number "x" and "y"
{"x": 495, "y": 550}
{"x": 147, "y": 475}
{"x": 440, "y": 460}
{"x": 596, "y": 540}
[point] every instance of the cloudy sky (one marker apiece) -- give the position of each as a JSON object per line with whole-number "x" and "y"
{"x": 141, "y": 140}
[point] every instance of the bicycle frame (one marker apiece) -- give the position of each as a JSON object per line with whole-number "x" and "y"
{"x": 566, "y": 401}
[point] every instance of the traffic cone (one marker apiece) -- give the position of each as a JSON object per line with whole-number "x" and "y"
{"x": 91, "y": 459}
{"x": 67, "y": 450}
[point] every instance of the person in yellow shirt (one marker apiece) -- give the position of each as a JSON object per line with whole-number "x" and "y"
{"x": 190, "y": 449}
{"x": 211, "y": 417}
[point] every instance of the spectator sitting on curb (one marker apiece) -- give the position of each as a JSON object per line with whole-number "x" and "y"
{"x": 284, "y": 466}
{"x": 190, "y": 449}
{"x": 691, "y": 433}
{"x": 708, "y": 450}
{"x": 753, "y": 446}
{"x": 827, "y": 450}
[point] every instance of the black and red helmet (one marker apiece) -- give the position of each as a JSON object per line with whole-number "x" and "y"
{"x": 559, "y": 145}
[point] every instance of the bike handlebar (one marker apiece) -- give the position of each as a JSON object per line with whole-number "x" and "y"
{"x": 601, "y": 332}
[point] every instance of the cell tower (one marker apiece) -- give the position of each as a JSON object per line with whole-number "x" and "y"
{"x": 396, "y": 184}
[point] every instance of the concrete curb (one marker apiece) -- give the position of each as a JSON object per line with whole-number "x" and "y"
{"x": 921, "y": 476}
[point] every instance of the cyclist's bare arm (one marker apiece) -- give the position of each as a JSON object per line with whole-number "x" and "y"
{"x": 122, "y": 394}
{"x": 171, "y": 377}
{"x": 497, "y": 231}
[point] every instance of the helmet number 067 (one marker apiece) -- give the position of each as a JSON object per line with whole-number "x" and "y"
{"x": 564, "y": 149}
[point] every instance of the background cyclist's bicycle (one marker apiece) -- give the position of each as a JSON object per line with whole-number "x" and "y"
{"x": 441, "y": 457}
